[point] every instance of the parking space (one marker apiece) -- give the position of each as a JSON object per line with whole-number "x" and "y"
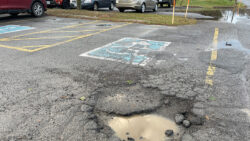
{"x": 65, "y": 77}
{"x": 128, "y": 50}
{"x": 16, "y": 36}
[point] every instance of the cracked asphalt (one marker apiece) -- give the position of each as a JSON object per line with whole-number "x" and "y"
{"x": 43, "y": 78}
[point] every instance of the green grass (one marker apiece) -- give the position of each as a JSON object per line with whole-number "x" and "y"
{"x": 209, "y": 7}
{"x": 121, "y": 17}
{"x": 207, "y": 3}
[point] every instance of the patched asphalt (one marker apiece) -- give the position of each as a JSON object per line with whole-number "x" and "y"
{"x": 43, "y": 78}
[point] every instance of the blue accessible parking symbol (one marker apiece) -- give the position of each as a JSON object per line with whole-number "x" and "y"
{"x": 13, "y": 28}
{"x": 128, "y": 50}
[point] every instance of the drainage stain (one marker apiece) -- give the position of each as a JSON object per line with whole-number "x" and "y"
{"x": 144, "y": 128}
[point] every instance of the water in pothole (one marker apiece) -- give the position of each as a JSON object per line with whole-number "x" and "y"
{"x": 231, "y": 44}
{"x": 144, "y": 128}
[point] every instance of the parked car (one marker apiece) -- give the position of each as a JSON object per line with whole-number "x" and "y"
{"x": 96, "y": 4}
{"x": 65, "y": 4}
{"x": 138, "y": 5}
{"x": 168, "y": 2}
{"x": 14, "y": 7}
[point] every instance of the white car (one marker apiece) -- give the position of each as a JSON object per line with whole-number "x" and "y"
{"x": 138, "y": 5}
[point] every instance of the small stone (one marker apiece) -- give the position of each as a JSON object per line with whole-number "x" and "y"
{"x": 86, "y": 108}
{"x": 179, "y": 118}
{"x": 166, "y": 102}
{"x": 169, "y": 133}
{"x": 222, "y": 124}
{"x": 198, "y": 112}
{"x": 186, "y": 123}
{"x": 199, "y": 105}
{"x": 196, "y": 120}
{"x": 141, "y": 138}
{"x": 91, "y": 125}
{"x": 131, "y": 139}
{"x": 127, "y": 133}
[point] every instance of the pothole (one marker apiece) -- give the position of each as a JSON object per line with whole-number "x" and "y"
{"x": 144, "y": 128}
{"x": 128, "y": 100}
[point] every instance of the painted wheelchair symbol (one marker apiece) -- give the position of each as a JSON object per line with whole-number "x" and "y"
{"x": 128, "y": 50}
{"x": 13, "y": 28}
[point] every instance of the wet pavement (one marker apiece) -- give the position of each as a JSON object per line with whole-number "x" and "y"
{"x": 189, "y": 15}
{"x": 124, "y": 72}
{"x": 235, "y": 16}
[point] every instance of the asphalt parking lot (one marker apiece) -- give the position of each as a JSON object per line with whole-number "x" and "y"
{"x": 121, "y": 69}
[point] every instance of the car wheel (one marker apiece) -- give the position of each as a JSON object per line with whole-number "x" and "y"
{"x": 66, "y": 4}
{"x": 169, "y": 5}
{"x": 112, "y": 6}
{"x": 95, "y": 6}
{"x": 37, "y": 9}
{"x": 121, "y": 10}
{"x": 143, "y": 8}
{"x": 156, "y": 8}
{"x": 14, "y": 14}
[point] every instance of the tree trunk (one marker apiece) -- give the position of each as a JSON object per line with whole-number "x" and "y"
{"x": 79, "y": 3}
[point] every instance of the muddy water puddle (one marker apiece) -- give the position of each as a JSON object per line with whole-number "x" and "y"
{"x": 231, "y": 44}
{"x": 234, "y": 16}
{"x": 144, "y": 128}
{"x": 229, "y": 15}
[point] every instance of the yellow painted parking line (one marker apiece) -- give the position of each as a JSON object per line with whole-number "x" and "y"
{"x": 40, "y": 47}
{"x": 59, "y": 37}
{"x": 50, "y": 30}
{"x": 211, "y": 70}
{"x": 214, "y": 54}
{"x": 80, "y": 37}
{"x": 17, "y": 48}
{"x": 33, "y": 46}
{"x": 76, "y": 31}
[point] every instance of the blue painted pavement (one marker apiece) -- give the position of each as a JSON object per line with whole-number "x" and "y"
{"x": 13, "y": 28}
{"x": 128, "y": 50}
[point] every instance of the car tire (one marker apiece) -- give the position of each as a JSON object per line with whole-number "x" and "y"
{"x": 169, "y": 5}
{"x": 121, "y": 10}
{"x": 14, "y": 14}
{"x": 95, "y": 8}
{"x": 143, "y": 8}
{"x": 112, "y": 6}
{"x": 66, "y": 4}
{"x": 37, "y": 9}
{"x": 156, "y": 8}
